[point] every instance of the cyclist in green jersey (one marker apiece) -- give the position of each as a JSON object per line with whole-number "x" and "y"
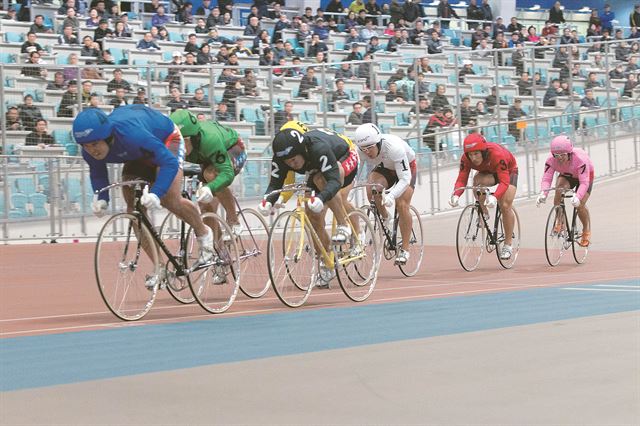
{"x": 221, "y": 155}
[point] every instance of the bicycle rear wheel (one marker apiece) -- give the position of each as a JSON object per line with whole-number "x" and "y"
{"x": 579, "y": 253}
{"x": 178, "y": 287}
{"x": 215, "y": 287}
{"x": 359, "y": 259}
{"x": 291, "y": 259}
{"x": 126, "y": 258}
{"x": 555, "y": 239}
{"x": 515, "y": 244}
{"x": 252, "y": 244}
{"x": 470, "y": 238}
{"x": 416, "y": 245}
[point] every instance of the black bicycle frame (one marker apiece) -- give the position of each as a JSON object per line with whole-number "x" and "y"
{"x": 390, "y": 235}
{"x": 493, "y": 235}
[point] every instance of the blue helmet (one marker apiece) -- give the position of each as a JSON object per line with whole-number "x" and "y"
{"x": 91, "y": 125}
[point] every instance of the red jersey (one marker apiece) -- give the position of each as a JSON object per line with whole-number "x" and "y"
{"x": 499, "y": 161}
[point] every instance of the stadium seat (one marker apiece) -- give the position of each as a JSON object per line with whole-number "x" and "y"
{"x": 71, "y": 149}
{"x": 38, "y": 202}
{"x": 7, "y": 58}
{"x": 11, "y": 37}
{"x": 19, "y": 205}
{"x": 25, "y": 185}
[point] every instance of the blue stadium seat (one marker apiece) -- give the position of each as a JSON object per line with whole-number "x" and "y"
{"x": 11, "y": 37}
{"x": 38, "y": 202}
{"x": 62, "y": 137}
{"x": 71, "y": 149}
{"x": 36, "y": 94}
{"x": 7, "y": 58}
{"x": 25, "y": 185}
{"x": 19, "y": 206}
{"x": 402, "y": 119}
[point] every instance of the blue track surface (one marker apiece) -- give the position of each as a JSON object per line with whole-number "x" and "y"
{"x": 47, "y": 360}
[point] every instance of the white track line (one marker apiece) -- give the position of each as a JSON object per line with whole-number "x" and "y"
{"x": 280, "y": 309}
{"x": 601, "y": 289}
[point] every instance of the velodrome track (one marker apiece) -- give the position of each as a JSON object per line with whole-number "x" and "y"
{"x": 534, "y": 345}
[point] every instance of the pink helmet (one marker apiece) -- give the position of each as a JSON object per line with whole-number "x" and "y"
{"x": 561, "y": 145}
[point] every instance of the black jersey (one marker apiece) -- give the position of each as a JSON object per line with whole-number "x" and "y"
{"x": 322, "y": 151}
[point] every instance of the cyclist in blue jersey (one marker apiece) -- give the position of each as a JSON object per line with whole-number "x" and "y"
{"x": 151, "y": 148}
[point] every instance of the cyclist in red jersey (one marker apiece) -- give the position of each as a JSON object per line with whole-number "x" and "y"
{"x": 495, "y": 166}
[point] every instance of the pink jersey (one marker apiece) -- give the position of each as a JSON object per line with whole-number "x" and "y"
{"x": 578, "y": 167}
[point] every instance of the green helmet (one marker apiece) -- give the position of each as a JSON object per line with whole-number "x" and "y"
{"x": 186, "y": 122}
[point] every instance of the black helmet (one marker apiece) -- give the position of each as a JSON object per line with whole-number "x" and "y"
{"x": 288, "y": 143}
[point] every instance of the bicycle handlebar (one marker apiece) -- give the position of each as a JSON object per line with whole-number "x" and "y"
{"x": 117, "y": 184}
{"x": 480, "y": 188}
{"x": 366, "y": 185}
{"x": 293, "y": 187}
{"x": 566, "y": 192}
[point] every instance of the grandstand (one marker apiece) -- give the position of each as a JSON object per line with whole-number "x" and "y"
{"x": 50, "y": 185}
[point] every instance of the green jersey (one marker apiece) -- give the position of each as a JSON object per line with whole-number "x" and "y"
{"x": 210, "y": 147}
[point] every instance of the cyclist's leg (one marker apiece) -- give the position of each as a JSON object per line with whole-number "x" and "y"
{"x": 483, "y": 179}
{"x": 181, "y": 207}
{"x": 224, "y": 195}
{"x": 403, "y": 204}
{"x": 561, "y": 182}
{"x": 380, "y": 176}
{"x": 133, "y": 170}
{"x": 508, "y": 217}
{"x": 335, "y": 204}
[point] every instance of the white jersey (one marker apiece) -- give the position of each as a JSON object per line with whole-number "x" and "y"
{"x": 395, "y": 154}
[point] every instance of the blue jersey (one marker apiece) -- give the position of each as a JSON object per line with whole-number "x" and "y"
{"x": 139, "y": 133}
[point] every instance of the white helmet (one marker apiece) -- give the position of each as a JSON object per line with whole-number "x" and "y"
{"x": 367, "y": 134}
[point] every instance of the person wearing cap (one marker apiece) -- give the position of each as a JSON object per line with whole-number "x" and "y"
{"x": 495, "y": 165}
{"x": 221, "y": 155}
{"x": 467, "y": 69}
{"x": 392, "y": 165}
{"x": 151, "y": 147}
{"x": 331, "y": 162}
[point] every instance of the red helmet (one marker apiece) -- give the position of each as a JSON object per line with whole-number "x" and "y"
{"x": 475, "y": 142}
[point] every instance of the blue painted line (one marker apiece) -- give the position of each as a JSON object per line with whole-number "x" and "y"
{"x": 36, "y": 361}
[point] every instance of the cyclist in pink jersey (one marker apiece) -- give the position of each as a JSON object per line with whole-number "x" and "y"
{"x": 575, "y": 170}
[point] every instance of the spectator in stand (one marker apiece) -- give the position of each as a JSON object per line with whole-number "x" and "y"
{"x": 31, "y": 44}
{"x": 634, "y": 17}
{"x": 514, "y": 26}
{"x": 173, "y": 73}
{"x": 498, "y": 27}
{"x": 281, "y": 117}
{"x": 279, "y": 52}
{"x": 499, "y": 43}
{"x": 549, "y": 29}
{"x": 176, "y": 102}
{"x": 89, "y": 48}
{"x": 101, "y": 32}
{"x": 12, "y": 119}
{"x": 68, "y": 37}
{"x": 434, "y": 45}
{"x": 353, "y": 37}
{"x": 589, "y": 101}
{"x": 592, "y": 81}
{"x": 222, "y": 113}
{"x": 335, "y": 6}
{"x": 34, "y": 71}
{"x": 440, "y": 100}
{"x": 215, "y": 19}
{"x": 415, "y": 35}
{"x": 308, "y": 82}
{"x": 249, "y": 83}
{"x": 240, "y": 50}
{"x": 441, "y": 118}
{"x": 517, "y": 58}
{"x": 477, "y": 37}
{"x": 198, "y": 100}
{"x": 483, "y": 49}
{"x": 38, "y": 26}
{"x": 226, "y": 6}
{"x": 424, "y": 106}
{"x": 71, "y": 72}
{"x": 159, "y": 19}
{"x": 253, "y": 28}
{"x": 372, "y": 8}
{"x": 106, "y": 58}
{"x": 151, "y": 7}
{"x": 555, "y": 14}
{"x": 362, "y": 18}
{"x": 232, "y": 91}
{"x": 356, "y": 6}
{"x": 354, "y": 55}
{"x": 147, "y": 43}
{"x": 492, "y": 100}
{"x": 201, "y": 26}
{"x": 368, "y": 31}
{"x": 467, "y": 69}
{"x": 622, "y": 51}
{"x": 488, "y": 13}
{"x": 344, "y": 72}
{"x": 316, "y": 46}
{"x": 374, "y": 45}
{"x": 629, "y": 85}
{"x": 356, "y": 115}
{"x": 552, "y": 93}
{"x": 632, "y": 66}
{"x": 607, "y": 17}
{"x": 339, "y": 94}
{"x": 185, "y": 14}
{"x": 141, "y": 98}
{"x": 394, "y": 95}
{"x": 71, "y": 20}
{"x": 94, "y": 101}
{"x": 29, "y": 113}
{"x": 369, "y": 114}
{"x": 396, "y": 11}
{"x": 395, "y": 41}
{"x": 321, "y": 29}
{"x": 364, "y": 70}
{"x": 532, "y": 36}
{"x": 93, "y": 20}
{"x": 118, "y": 82}
{"x": 69, "y": 100}
{"x": 190, "y": 61}
{"x": 390, "y": 30}
{"x": 39, "y": 137}
{"x": 121, "y": 31}
{"x": 192, "y": 44}
{"x": 58, "y": 82}
{"x": 466, "y": 111}
{"x": 119, "y": 99}
{"x": 445, "y": 12}
{"x": 514, "y": 114}
{"x": 205, "y": 56}
{"x": 524, "y": 84}
{"x": 350, "y": 22}
{"x": 69, "y": 4}
{"x": 411, "y": 11}
{"x": 282, "y": 24}
{"x": 475, "y": 15}
{"x": 205, "y": 9}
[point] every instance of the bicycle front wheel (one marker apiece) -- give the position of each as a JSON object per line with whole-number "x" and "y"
{"x": 470, "y": 238}
{"x": 555, "y": 235}
{"x": 127, "y": 267}
{"x": 579, "y": 253}
{"x": 359, "y": 260}
{"x": 185, "y": 255}
{"x": 252, "y": 244}
{"x": 416, "y": 245}
{"x": 515, "y": 242}
{"x": 215, "y": 287}
{"x": 291, "y": 259}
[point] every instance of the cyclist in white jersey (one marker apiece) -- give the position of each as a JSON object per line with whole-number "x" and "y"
{"x": 393, "y": 164}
